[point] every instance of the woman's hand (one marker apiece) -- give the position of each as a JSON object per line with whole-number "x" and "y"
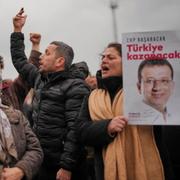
{"x": 116, "y": 125}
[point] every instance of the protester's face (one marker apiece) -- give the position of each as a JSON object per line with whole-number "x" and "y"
{"x": 156, "y": 85}
{"x": 111, "y": 64}
{"x": 48, "y": 60}
{"x": 91, "y": 81}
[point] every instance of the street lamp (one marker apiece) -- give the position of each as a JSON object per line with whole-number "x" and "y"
{"x": 114, "y": 6}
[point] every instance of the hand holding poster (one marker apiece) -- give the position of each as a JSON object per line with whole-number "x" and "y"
{"x": 151, "y": 67}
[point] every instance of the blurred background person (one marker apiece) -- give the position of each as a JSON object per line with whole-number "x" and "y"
{"x": 20, "y": 151}
{"x": 15, "y": 91}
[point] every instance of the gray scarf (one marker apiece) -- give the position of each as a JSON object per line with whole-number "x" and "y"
{"x": 7, "y": 145}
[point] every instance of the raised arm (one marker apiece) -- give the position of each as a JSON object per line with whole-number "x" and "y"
{"x": 28, "y": 71}
{"x": 19, "y": 21}
{"x": 19, "y": 88}
{"x": 35, "y": 39}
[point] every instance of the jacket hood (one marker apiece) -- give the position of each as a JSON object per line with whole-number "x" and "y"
{"x": 79, "y": 70}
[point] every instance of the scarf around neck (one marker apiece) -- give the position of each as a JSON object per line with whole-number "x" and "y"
{"x": 133, "y": 154}
{"x": 7, "y": 145}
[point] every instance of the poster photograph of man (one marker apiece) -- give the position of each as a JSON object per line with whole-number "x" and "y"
{"x": 151, "y": 69}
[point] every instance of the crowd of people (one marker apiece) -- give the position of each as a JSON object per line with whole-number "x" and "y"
{"x": 59, "y": 122}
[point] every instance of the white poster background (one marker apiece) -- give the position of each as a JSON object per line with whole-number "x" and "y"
{"x": 133, "y": 108}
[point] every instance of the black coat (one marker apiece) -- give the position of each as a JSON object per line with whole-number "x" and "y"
{"x": 171, "y": 135}
{"x": 94, "y": 133}
{"x": 57, "y": 100}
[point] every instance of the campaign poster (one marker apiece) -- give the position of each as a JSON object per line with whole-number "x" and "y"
{"x": 151, "y": 77}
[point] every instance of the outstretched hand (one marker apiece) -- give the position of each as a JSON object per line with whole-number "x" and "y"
{"x": 19, "y": 20}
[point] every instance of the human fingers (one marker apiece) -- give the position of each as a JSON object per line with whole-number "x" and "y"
{"x": 16, "y": 18}
{"x": 119, "y": 127}
{"x": 35, "y": 38}
{"x": 117, "y": 124}
{"x": 35, "y": 35}
{"x": 21, "y": 11}
{"x": 119, "y": 119}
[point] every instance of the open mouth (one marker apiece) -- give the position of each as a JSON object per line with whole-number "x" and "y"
{"x": 105, "y": 68}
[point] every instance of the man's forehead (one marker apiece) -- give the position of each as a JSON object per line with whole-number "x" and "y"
{"x": 156, "y": 70}
{"x": 164, "y": 66}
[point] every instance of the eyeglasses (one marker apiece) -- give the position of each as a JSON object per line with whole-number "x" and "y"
{"x": 161, "y": 82}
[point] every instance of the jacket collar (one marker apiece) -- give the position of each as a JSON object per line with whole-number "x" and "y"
{"x": 115, "y": 82}
{"x": 110, "y": 84}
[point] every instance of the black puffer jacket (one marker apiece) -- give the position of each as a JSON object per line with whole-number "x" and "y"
{"x": 58, "y": 97}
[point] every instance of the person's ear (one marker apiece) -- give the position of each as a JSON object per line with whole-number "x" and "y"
{"x": 173, "y": 85}
{"x": 60, "y": 63}
{"x": 138, "y": 84}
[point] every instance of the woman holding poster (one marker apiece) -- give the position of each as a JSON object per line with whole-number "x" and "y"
{"x": 122, "y": 152}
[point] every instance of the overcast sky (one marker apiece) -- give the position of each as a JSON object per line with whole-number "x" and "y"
{"x": 86, "y": 25}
